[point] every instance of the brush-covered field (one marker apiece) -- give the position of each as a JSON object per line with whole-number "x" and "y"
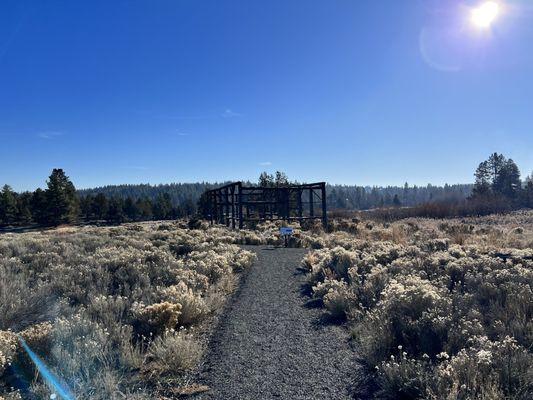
{"x": 115, "y": 313}
{"x": 438, "y": 309}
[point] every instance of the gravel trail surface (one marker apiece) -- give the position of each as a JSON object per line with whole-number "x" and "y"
{"x": 270, "y": 344}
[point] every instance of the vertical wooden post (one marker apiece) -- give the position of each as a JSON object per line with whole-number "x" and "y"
{"x": 324, "y": 209}
{"x": 220, "y": 202}
{"x": 311, "y": 205}
{"x": 248, "y": 206}
{"x": 211, "y": 208}
{"x": 239, "y": 187}
{"x": 287, "y": 194}
{"x": 233, "y": 206}
{"x": 299, "y": 201}
{"x": 226, "y": 206}
{"x": 215, "y": 207}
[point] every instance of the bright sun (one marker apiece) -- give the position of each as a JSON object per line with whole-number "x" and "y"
{"x": 484, "y": 15}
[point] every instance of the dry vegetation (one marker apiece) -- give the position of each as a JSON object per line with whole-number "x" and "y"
{"x": 439, "y": 309}
{"x": 115, "y": 312}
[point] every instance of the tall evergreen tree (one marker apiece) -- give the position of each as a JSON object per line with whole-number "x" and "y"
{"x": 483, "y": 183}
{"x": 145, "y": 208}
{"x": 507, "y": 182}
{"x": 281, "y": 179}
{"x": 163, "y": 207}
{"x": 100, "y": 206}
{"x": 497, "y": 176}
{"x": 8, "y": 206}
{"x": 130, "y": 209}
{"x": 39, "y": 207}
{"x": 266, "y": 180}
{"x": 115, "y": 211}
{"x": 24, "y": 215}
{"x": 396, "y": 201}
{"x": 86, "y": 207}
{"x": 61, "y": 198}
{"x": 528, "y": 191}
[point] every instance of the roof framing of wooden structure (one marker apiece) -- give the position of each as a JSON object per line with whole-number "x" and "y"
{"x": 234, "y": 204}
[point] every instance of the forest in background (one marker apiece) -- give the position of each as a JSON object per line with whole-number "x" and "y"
{"x": 497, "y": 188}
{"x": 349, "y": 197}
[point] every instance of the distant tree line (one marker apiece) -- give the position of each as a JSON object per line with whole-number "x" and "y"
{"x": 497, "y": 187}
{"x": 60, "y": 203}
{"x": 344, "y": 197}
{"x": 179, "y": 193}
{"x": 350, "y": 197}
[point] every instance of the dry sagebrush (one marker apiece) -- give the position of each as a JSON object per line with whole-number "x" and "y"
{"x": 114, "y": 311}
{"x": 441, "y": 309}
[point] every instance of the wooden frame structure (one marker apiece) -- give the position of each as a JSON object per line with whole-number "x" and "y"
{"x": 234, "y": 204}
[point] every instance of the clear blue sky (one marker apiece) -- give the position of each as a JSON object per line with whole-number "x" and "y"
{"x": 348, "y": 91}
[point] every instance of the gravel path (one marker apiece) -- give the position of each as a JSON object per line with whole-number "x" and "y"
{"x": 270, "y": 345}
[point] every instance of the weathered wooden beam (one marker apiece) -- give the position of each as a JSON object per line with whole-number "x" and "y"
{"x": 324, "y": 208}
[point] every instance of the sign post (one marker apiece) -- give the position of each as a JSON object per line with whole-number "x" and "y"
{"x": 286, "y": 233}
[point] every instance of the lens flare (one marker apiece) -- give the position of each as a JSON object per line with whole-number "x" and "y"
{"x": 484, "y": 15}
{"x": 51, "y": 380}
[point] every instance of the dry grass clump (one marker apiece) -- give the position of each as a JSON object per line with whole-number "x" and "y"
{"x": 173, "y": 351}
{"x": 104, "y": 307}
{"x": 441, "y": 309}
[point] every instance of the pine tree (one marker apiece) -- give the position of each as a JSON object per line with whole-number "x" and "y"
{"x": 396, "y": 201}
{"x": 24, "y": 208}
{"x": 163, "y": 207}
{"x": 528, "y": 191}
{"x": 266, "y": 180}
{"x": 130, "y": 209}
{"x": 100, "y": 206}
{"x": 115, "y": 212}
{"x": 145, "y": 209}
{"x": 281, "y": 179}
{"x": 62, "y": 199}
{"x": 39, "y": 206}
{"x": 507, "y": 182}
{"x": 483, "y": 184}
{"x": 86, "y": 207}
{"x": 8, "y": 206}
{"x": 497, "y": 176}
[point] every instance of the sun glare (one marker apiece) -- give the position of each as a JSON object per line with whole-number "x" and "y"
{"x": 484, "y": 15}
